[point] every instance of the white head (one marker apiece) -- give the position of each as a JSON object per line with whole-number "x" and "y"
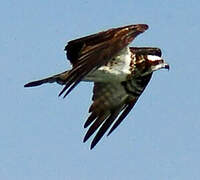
{"x": 148, "y": 60}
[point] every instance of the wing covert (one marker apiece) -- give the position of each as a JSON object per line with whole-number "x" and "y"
{"x": 89, "y": 53}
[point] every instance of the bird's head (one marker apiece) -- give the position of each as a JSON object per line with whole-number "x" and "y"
{"x": 148, "y": 60}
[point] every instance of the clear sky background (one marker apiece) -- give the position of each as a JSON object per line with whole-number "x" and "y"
{"x": 41, "y": 134}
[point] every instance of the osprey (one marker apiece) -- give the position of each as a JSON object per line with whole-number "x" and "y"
{"x": 120, "y": 74}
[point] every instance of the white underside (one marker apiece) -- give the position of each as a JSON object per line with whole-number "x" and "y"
{"x": 115, "y": 70}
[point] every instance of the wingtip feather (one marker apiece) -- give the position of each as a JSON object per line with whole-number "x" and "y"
{"x": 34, "y": 83}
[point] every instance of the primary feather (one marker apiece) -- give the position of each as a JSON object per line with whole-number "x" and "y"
{"x": 120, "y": 74}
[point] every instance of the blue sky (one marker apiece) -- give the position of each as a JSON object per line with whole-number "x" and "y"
{"x": 41, "y": 134}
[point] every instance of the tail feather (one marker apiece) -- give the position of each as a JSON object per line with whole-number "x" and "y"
{"x": 59, "y": 78}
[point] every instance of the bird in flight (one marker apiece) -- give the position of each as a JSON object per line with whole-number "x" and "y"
{"x": 120, "y": 74}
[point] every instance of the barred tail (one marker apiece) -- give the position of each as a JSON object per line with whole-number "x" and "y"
{"x": 59, "y": 78}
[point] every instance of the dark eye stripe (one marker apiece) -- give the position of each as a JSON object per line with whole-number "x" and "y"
{"x": 154, "y": 63}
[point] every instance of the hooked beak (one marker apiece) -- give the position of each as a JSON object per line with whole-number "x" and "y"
{"x": 163, "y": 65}
{"x": 166, "y": 66}
{"x": 157, "y": 63}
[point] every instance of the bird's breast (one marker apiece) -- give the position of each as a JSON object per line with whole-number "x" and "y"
{"x": 116, "y": 69}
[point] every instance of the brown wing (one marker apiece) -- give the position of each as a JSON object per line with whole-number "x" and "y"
{"x": 89, "y": 53}
{"x": 109, "y": 100}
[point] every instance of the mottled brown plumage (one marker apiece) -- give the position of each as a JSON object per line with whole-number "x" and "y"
{"x": 120, "y": 75}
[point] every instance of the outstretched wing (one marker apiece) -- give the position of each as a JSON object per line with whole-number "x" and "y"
{"x": 89, "y": 53}
{"x": 109, "y": 100}
{"x": 111, "y": 104}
